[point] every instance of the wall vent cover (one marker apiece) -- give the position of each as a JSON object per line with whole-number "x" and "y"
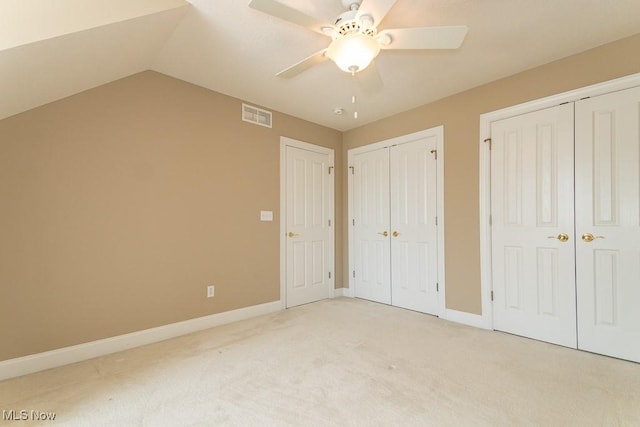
{"x": 256, "y": 115}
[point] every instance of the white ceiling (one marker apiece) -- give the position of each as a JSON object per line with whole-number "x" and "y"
{"x": 230, "y": 48}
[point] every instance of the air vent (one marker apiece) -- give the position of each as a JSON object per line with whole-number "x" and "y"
{"x": 256, "y": 115}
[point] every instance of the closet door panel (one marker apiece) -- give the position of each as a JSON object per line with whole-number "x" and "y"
{"x": 413, "y": 225}
{"x": 532, "y": 225}
{"x": 371, "y": 226}
{"x": 608, "y": 223}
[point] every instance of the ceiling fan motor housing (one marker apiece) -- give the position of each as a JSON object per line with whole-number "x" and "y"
{"x": 347, "y": 23}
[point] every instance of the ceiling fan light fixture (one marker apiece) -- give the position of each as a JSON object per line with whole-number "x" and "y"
{"x": 353, "y": 52}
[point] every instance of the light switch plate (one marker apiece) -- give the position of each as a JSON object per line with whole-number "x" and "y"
{"x": 266, "y": 216}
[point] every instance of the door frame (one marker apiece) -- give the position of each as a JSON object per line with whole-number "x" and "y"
{"x": 438, "y": 132}
{"x": 289, "y": 142}
{"x": 486, "y": 280}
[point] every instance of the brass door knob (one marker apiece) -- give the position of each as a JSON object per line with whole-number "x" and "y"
{"x": 588, "y": 237}
{"x": 563, "y": 237}
{"x": 396, "y": 234}
{"x": 292, "y": 234}
{"x": 384, "y": 233}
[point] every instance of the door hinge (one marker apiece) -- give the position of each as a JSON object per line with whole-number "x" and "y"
{"x": 489, "y": 141}
{"x": 329, "y": 275}
{"x": 353, "y": 222}
{"x": 491, "y": 295}
{"x": 436, "y": 220}
{"x": 353, "y": 170}
{"x": 490, "y": 220}
{"x": 435, "y": 154}
{"x": 330, "y": 167}
{"x": 354, "y": 274}
{"x": 329, "y": 223}
{"x": 437, "y": 287}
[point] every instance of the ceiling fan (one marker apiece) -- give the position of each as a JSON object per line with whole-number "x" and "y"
{"x": 356, "y": 40}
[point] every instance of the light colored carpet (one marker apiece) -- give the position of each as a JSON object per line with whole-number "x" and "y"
{"x": 340, "y": 362}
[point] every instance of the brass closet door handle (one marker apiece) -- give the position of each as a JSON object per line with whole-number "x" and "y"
{"x": 292, "y": 234}
{"x": 588, "y": 237}
{"x": 384, "y": 233}
{"x": 563, "y": 237}
{"x": 396, "y": 234}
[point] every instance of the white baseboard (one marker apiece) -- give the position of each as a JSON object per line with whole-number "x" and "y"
{"x": 50, "y": 359}
{"x": 465, "y": 318}
{"x": 342, "y": 292}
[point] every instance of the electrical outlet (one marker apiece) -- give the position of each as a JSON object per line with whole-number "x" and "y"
{"x": 211, "y": 290}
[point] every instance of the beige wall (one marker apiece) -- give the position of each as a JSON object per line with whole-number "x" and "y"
{"x": 460, "y": 116}
{"x": 120, "y": 204}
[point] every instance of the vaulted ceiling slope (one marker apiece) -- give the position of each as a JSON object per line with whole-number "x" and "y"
{"x": 52, "y": 49}
{"x": 49, "y": 50}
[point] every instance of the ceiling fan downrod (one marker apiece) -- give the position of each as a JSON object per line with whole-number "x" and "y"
{"x": 351, "y": 5}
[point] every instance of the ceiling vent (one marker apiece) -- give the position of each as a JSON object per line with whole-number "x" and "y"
{"x": 256, "y": 115}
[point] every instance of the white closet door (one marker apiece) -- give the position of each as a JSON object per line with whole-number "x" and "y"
{"x": 533, "y": 254}
{"x": 308, "y": 242}
{"x": 414, "y": 252}
{"x": 371, "y": 228}
{"x": 608, "y": 208}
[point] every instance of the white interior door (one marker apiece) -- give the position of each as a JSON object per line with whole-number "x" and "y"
{"x": 414, "y": 245}
{"x": 532, "y": 225}
{"x": 608, "y": 208}
{"x": 309, "y": 214}
{"x": 371, "y": 226}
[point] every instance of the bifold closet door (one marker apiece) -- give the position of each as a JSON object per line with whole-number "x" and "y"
{"x": 608, "y": 223}
{"x": 394, "y": 223}
{"x": 533, "y": 256}
{"x": 593, "y": 235}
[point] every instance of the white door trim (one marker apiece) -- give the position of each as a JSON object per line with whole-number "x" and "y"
{"x": 486, "y": 284}
{"x": 289, "y": 142}
{"x": 436, "y": 131}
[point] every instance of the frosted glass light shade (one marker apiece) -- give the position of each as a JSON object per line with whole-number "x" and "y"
{"x": 353, "y": 52}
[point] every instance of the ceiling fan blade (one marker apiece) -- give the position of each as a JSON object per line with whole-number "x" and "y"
{"x": 303, "y": 65}
{"x": 369, "y": 79}
{"x": 425, "y": 37}
{"x": 279, "y": 10}
{"x": 377, "y": 9}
